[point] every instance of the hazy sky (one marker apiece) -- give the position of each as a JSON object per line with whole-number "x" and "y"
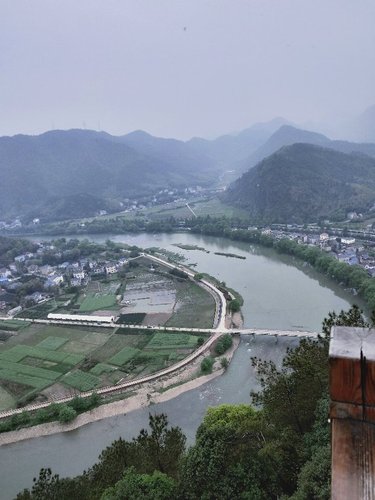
{"x": 182, "y": 67}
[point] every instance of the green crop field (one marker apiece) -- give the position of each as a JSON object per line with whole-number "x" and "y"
{"x": 95, "y": 301}
{"x": 38, "y": 311}
{"x": 102, "y": 368}
{"x": 81, "y": 380}
{"x": 37, "y": 359}
{"x": 124, "y": 356}
{"x": 33, "y": 371}
{"x": 6, "y": 399}
{"x": 52, "y": 343}
{"x": 163, "y": 340}
{"x": 13, "y": 324}
{"x": 197, "y": 307}
{"x": 21, "y": 378}
{"x": 76, "y": 347}
{"x": 17, "y": 353}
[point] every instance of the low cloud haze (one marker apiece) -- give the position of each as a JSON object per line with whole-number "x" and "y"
{"x": 183, "y": 68}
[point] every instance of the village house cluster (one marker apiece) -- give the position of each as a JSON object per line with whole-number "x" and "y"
{"x": 344, "y": 248}
{"x": 23, "y": 283}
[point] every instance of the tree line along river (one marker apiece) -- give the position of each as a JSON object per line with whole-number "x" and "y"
{"x": 278, "y": 292}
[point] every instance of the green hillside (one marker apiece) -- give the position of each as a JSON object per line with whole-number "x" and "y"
{"x": 303, "y": 182}
{"x": 61, "y": 164}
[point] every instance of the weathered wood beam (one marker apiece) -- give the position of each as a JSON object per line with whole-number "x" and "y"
{"x": 352, "y": 392}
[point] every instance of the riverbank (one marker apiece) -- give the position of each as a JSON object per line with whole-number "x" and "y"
{"x": 153, "y": 393}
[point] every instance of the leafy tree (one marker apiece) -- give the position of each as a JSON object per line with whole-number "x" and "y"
{"x": 155, "y": 486}
{"x": 234, "y": 305}
{"x": 161, "y": 449}
{"x": 223, "y": 344}
{"x": 224, "y": 363}
{"x": 207, "y": 364}
{"x": 67, "y": 414}
{"x": 225, "y": 461}
{"x": 49, "y": 486}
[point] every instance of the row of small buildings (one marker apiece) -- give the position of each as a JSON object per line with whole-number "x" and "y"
{"x": 75, "y": 274}
{"x": 344, "y": 249}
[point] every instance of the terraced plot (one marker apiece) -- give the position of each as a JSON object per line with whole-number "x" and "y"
{"x": 96, "y": 301}
{"x": 52, "y": 343}
{"x": 39, "y": 358}
{"x": 13, "y": 324}
{"x": 104, "y": 298}
{"x": 124, "y": 356}
{"x": 163, "y": 340}
{"x": 101, "y": 368}
{"x": 81, "y": 380}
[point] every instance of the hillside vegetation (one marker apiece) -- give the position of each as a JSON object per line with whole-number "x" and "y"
{"x": 303, "y": 182}
{"x": 69, "y": 174}
{"x": 287, "y": 135}
{"x": 64, "y": 165}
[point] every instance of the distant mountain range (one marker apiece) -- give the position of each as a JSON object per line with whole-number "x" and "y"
{"x": 287, "y": 135}
{"x": 227, "y": 151}
{"x": 76, "y": 173}
{"x": 64, "y": 164}
{"x": 303, "y": 182}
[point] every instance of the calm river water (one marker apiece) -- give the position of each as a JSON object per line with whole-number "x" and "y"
{"x": 278, "y": 293}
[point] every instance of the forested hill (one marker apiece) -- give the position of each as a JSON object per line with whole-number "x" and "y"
{"x": 303, "y": 182}
{"x": 38, "y": 169}
{"x": 287, "y": 135}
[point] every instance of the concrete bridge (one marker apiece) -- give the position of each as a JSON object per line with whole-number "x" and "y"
{"x": 277, "y": 333}
{"x": 233, "y": 331}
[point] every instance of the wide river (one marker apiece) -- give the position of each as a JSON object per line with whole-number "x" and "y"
{"x": 278, "y": 293}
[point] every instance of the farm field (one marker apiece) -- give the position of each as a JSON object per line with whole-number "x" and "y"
{"x": 103, "y": 298}
{"x": 201, "y": 206}
{"x": 148, "y": 295}
{"x": 35, "y": 359}
{"x": 42, "y": 310}
{"x": 195, "y": 307}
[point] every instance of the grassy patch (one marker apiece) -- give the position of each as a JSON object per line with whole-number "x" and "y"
{"x": 38, "y": 311}
{"x": 76, "y": 347}
{"x": 96, "y": 338}
{"x": 114, "y": 345}
{"x": 162, "y": 340}
{"x": 13, "y": 325}
{"x": 124, "y": 356}
{"x": 41, "y": 363}
{"x": 185, "y": 246}
{"x": 22, "y": 378}
{"x": 195, "y": 307}
{"x": 18, "y": 352}
{"x": 6, "y": 399}
{"x": 4, "y": 336}
{"x": 82, "y": 381}
{"x": 23, "y": 369}
{"x": 102, "y": 368}
{"x": 52, "y": 343}
{"x": 95, "y": 301}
